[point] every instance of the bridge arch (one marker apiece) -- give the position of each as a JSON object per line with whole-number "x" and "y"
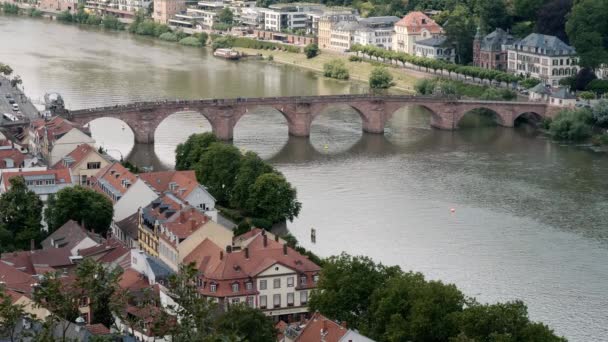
{"x": 500, "y": 118}
{"x": 531, "y": 117}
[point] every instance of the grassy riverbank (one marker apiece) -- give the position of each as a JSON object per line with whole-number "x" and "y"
{"x": 358, "y": 71}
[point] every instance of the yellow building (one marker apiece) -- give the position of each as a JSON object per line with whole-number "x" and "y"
{"x": 413, "y": 27}
{"x": 84, "y": 162}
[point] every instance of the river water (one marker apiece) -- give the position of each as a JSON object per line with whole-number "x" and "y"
{"x": 531, "y": 216}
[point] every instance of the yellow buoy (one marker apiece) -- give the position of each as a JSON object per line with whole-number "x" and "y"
{"x": 326, "y": 147}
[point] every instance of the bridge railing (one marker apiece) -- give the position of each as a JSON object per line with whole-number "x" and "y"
{"x": 283, "y": 99}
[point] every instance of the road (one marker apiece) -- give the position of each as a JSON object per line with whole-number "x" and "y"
{"x": 26, "y": 108}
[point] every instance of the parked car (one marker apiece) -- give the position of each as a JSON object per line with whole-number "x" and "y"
{"x": 8, "y": 96}
{"x": 15, "y": 107}
{"x": 11, "y": 101}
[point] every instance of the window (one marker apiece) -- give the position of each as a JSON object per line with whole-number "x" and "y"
{"x": 235, "y": 300}
{"x": 290, "y": 299}
{"x": 249, "y": 285}
{"x": 250, "y": 301}
{"x": 276, "y": 300}
{"x": 213, "y": 287}
{"x": 235, "y": 287}
{"x": 93, "y": 165}
{"x": 199, "y": 281}
{"x": 315, "y": 278}
{"x": 290, "y": 282}
{"x": 303, "y": 297}
{"x": 84, "y": 301}
{"x": 303, "y": 280}
{"x": 262, "y": 284}
{"x": 277, "y": 283}
{"x": 262, "y": 302}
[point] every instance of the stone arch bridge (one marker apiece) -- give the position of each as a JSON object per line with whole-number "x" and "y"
{"x": 300, "y": 111}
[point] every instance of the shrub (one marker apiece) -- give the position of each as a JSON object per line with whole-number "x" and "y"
{"x": 242, "y": 228}
{"x": 529, "y": 83}
{"x": 160, "y": 29}
{"x": 380, "y": 78}
{"x": 598, "y": 86}
{"x": 202, "y": 37}
{"x": 355, "y": 59}
{"x": 600, "y": 113}
{"x": 222, "y": 43}
{"x": 9, "y": 8}
{"x": 261, "y": 223}
{"x": 425, "y": 86}
{"x": 94, "y": 20}
{"x": 311, "y": 50}
{"x": 146, "y": 28}
{"x": 571, "y": 125}
{"x": 168, "y": 36}
{"x": 34, "y": 13}
{"x": 65, "y": 17}
{"x": 270, "y": 58}
{"x": 336, "y": 69}
{"x": 111, "y": 22}
{"x": 191, "y": 41}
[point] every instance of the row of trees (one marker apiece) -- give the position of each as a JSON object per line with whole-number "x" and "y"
{"x": 446, "y": 87}
{"x": 223, "y": 42}
{"x": 242, "y": 181}
{"x": 199, "y": 318}
{"x": 108, "y": 21}
{"x": 394, "y": 57}
{"x": 21, "y": 213}
{"x": 387, "y": 304}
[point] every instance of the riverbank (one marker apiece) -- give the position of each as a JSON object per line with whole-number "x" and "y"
{"x": 358, "y": 71}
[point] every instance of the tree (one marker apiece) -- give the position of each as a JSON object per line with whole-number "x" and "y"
{"x": 10, "y": 316}
{"x": 247, "y": 323}
{"x": 600, "y": 113}
{"x": 189, "y": 153}
{"x": 583, "y": 78}
{"x": 217, "y": 170}
{"x": 587, "y": 30}
{"x": 226, "y": 16}
{"x": 414, "y": 309}
{"x": 61, "y": 300}
{"x": 527, "y": 9}
{"x": 101, "y": 287}
{"x": 20, "y": 216}
{"x": 252, "y": 166}
{"x": 598, "y": 86}
{"x": 493, "y": 14}
{"x": 551, "y": 18}
{"x": 571, "y": 125}
{"x": 15, "y": 81}
{"x": 346, "y": 286}
{"x": 380, "y": 78}
{"x": 460, "y": 29}
{"x": 311, "y": 50}
{"x": 272, "y": 197}
{"x": 502, "y": 322}
{"x": 82, "y": 205}
{"x": 5, "y": 69}
{"x": 336, "y": 69}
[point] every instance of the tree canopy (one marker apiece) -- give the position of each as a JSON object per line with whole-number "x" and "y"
{"x": 217, "y": 170}
{"x": 380, "y": 78}
{"x": 82, "y": 205}
{"x": 273, "y": 198}
{"x": 587, "y": 28}
{"x": 20, "y": 216}
{"x": 252, "y": 166}
{"x": 247, "y": 323}
{"x": 187, "y": 154}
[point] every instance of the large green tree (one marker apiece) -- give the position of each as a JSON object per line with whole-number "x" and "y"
{"x": 247, "y": 323}
{"x": 380, "y": 78}
{"x": 587, "y": 29}
{"x": 82, "y": 205}
{"x": 10, "y": 316}
{"x": 252, "y": 166}
{"x": 273, "y": 198}
{"x": 527, "y": 9}
{"x": 189, "y": 153}
{"x": 493, "y": 14}
{"x": 346, "y": 286}
{"x": 20, "y": 216}
{"x": 551, "y": 18}
{"x": 460, "y": 29}
{"x": 217, "y": 170}
{"x": 226, "y": 16}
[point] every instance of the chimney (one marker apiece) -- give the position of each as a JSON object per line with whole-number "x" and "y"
{"x": 221, "y": 255}
{"x": 285, "y": 249}
{"x": 265, "y": 240}
{"x": 32, "y": 245}
{"x": 229, "y": 249}
{"x": 246, "y": 252}
{"x": 344, "y": 325}
{"x": 182, "y": 215}
{"x": 276, "y": 237}
{"x": 192, "y": 225}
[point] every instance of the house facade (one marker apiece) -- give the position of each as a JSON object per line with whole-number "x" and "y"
{"x": 544, "y": 57}
{"x": 413, "y": 27}
{"x": 166, "y": 9}
{"x": 325, "y": 25}
{"x": 436, "y": 48}
{"x": 84, "y": 162}
{"x": 376, "y": 31}
{"x": 490, "y": 52}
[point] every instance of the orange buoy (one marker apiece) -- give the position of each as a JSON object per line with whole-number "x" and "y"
{"x": 453, "y": 210}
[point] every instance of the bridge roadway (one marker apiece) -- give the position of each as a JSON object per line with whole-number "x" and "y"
{"x": 300, "y": 111}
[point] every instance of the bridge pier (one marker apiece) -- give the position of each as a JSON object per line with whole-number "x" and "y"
{"x": 143, "y": 136}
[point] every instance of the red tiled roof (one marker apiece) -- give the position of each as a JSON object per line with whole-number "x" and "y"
{"x": 114, "y": 174}
{"x": 13, "y": 154}
{"x": 416, "y": 21}
{"x": 77, "y": 155}
{"x": 318, "y": 325}
{"x": 14, "y": 295}
{"x": 183, "y": 182}
{"x": 20, "y": 260}
{"x": 54, "y": 129}
{"x": 98, "y": 329}
{"x": 69, "y": 235}
{"x": 14, "y": 279}
{"x": 133, "y": 280}
{"x": 107, "y": 252}
{"x": 180, "y": 220}
{"x": 39, "y": 261}
{"x": 62, "y": 176}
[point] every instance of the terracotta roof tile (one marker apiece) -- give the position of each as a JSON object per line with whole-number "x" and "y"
{"x": 61, "y": 176}
{"x": 416, "y": 21}
{"x": 318, "y": 325}
{"x": 98, "y": 329}
{"x": 14, "y": 154}
{"x": 14, "y": 279}
{"x": 180, "y": 183}
{"x": 116, "y": 176}
{"x": 76, "y": 156}
{"x": 68, "y": 235}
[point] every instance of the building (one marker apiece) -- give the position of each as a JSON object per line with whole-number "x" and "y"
{"x": 167, "y": 9}
{"x": 58, "y": 5}
{"x": 413, "y": 27}
{"x": 84, "y": 162}
{"x": 10, "y": 157}
{"x": 320, "y": 328}
{"x": 336, "y": 12}
{"x": 41, "y": 261}
{"x": 376, "y": 31}
{"x": 259, "y": 271}
{"x": 55, "y": 138}
{"x": 252, "y": 17}
{"x": 325, "y": 25}
{"x": 343, "y": 35}
{"x": 170, "y": 229}
{"x": 293, "y": 17}
{"x": 544, "y": 57}
{"x": 490, "y": 52}
{"x": 561, "y": 97}
{"x": 182, "y": 184}
{"x": 71, "y": 236}
{"x": 113, "y": 181}
{"x": 126, "y": 230}
{"x": 41, "y": 181}
{"x": 435, "y": 48}
{"x": 539, "y": 93}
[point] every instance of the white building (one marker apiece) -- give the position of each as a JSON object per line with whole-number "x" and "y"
{"x": 294, "y": 17}
{"x": 543, "y": 57}
{"x": 376, "y": 31}
{"x": 435, "y": 48}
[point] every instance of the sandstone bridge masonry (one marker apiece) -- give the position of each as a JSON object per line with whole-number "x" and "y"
{"x": 223, "y": 114}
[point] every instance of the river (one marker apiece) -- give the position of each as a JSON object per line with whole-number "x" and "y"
{"x": 531, "y": 216}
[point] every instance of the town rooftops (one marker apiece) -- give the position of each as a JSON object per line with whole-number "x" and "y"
{"x": 54, "y": 128}
{"x": 417, "y": 21}
{"x": 39, "y": 261}
{"x": 540, "y": 88}
{"x": 110, "y": 251}
{"x": 14, "y": 279}
{"x": 129, "y": 225}
{"x": 495, "y": 40}
{"x": 346, "y": 26}
{"x": 40, "y": 181}
{"x": 562, "y": 93}
{"x": 113, "y": 181}
{"x": 379, "y": 21}
{"x": 11, "y": 157}
{"x": 433, "y": 42}
{"x": 320, "y": 328}
{"x": 76, "y": 156}
{"x": 178, "y": 220}
{"x": 180, "y": 183}
{"x": 544, "y": 44}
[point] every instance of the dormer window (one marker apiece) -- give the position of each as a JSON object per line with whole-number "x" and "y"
{"x": 213, "y": 287}
{"x": 235, "y": 287}
{"x": 315, "y": 279}
{"x": 249, "y": 285}
{"x": 303, "y": 280}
